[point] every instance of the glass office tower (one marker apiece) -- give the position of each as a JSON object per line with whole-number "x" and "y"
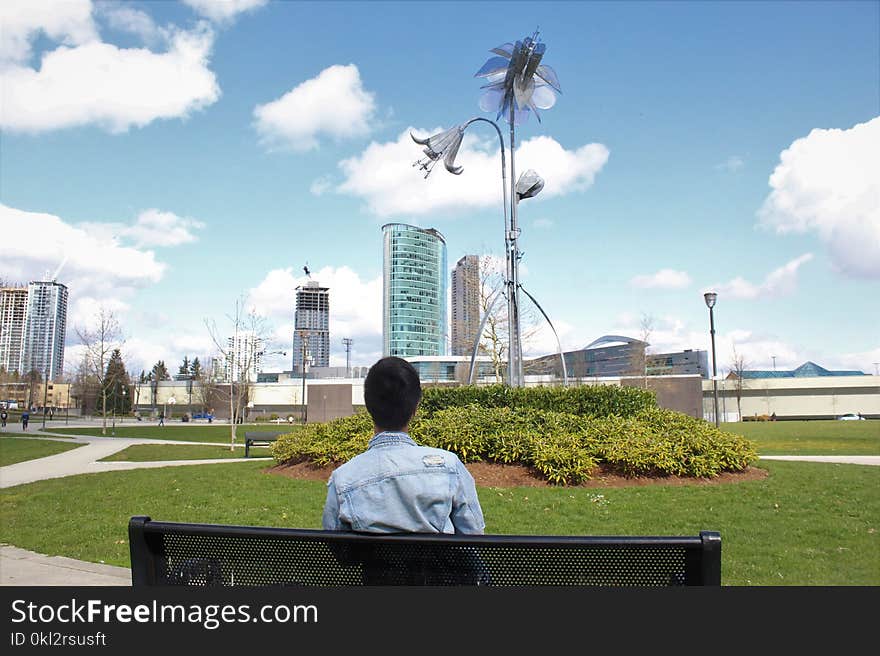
{"x": 413, "y": 291}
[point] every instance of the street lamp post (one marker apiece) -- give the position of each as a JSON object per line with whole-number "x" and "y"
{"x": 45, "y": 394}
{"x": 304, "y": 343}
{"x": 710, "y": 298}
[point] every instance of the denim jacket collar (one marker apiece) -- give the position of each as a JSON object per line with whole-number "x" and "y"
{"x": 388, "y": 438}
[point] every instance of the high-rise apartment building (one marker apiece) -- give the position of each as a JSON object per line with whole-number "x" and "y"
{"x": 311, "y": 323}
{"x": 465, "y": 304}
{"x": 244, "y": 358}
{"x": 45, "y": 327}
{"x": 13, "y": 308}
{"x": 413, "y": 291}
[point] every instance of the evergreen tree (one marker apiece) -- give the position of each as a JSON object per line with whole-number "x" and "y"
{"x": 195, "y": 369}
{"x": 118, "y": 384}
{"x": 184, "y": 367}
{"x": 160, "y": 371}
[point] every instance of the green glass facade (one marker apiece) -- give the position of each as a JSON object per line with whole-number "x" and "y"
{"x": 413, "y": 291}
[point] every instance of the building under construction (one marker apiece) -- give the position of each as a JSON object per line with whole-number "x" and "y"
{"x": 311, "y": 334}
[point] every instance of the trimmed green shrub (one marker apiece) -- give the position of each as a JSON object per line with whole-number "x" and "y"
{"x": 563, "y": 447}
{"x": 584, "y": 400}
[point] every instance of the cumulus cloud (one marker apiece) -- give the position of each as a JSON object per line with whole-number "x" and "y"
{"x": 151, "y": 228}
{"x": 69, "y": 23}
{"x": 133, "y": 21}
{"x": 384, "y": 177}
{"x": 334, "y": 104}
{"x": 97, "y": 269}
{"x": 826, "y": 183}
{"x": 779, "y": 282}
{"x": 355, "y": 307}
{"x": 85, "y": 81}
{"x": 663, "y": 279}
{"x": 223, "y": 10}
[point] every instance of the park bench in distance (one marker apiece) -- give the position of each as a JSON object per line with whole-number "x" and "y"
{"x": 254, "y": 438}
{"x": 168, "y": 553}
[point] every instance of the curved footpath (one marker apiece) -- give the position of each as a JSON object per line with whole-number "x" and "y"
{"x": 26, "y": 568}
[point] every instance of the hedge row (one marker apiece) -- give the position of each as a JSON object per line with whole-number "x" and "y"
{"x": 563, "y": 447}
{"x": 583, "y": 400}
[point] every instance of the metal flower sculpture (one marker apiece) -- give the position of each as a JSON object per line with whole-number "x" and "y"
{"x": 445, "y": 145}
{"x": 517, "y": 81}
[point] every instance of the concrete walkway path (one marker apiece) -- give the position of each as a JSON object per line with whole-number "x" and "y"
{"x": 22, "y": 567}
{"x": 85, "y": 459}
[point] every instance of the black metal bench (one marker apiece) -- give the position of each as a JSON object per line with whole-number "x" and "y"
{"x": 167, "y": 553}
{"x": 252, "y": 439}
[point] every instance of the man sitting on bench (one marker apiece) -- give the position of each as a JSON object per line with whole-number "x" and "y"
{"x": 397, "y": 486}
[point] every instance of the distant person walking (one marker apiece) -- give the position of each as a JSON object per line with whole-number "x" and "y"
{"x": 3, "y": 417}
{"x": 161, "y": 418}
{"x": 25, "y": 416}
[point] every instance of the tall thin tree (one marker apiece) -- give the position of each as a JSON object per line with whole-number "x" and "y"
{"x": 99, "y": 342}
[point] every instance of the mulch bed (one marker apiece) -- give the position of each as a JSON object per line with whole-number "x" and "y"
{"x": 488, "y": 474}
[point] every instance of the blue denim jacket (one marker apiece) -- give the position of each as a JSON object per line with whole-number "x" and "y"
{"x": 398, "y": 486}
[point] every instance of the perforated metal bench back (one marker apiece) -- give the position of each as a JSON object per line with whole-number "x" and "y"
{"x": 166, "y": 553}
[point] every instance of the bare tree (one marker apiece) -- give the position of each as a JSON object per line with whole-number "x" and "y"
{"x": 99, "y": 343}
{"x": 495, "y": 340}
{"x": 247, "y": 327}
{"x": 639, "y": 362}
{"x": 738, "y": 367}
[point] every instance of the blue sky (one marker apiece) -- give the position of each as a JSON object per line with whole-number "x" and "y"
{"x": 177, "y": 156}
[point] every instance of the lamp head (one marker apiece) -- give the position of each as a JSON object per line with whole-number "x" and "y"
{"x": 710, "y": 298}
{"x": 529, "y": 185}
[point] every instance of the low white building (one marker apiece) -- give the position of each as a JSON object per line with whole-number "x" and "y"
{"x": 820, "y": 397}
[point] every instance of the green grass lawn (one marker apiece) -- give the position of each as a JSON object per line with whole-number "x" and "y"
{"x": 811, "y": 437}
{"x": 151, "y": 452}
{"x": 13, "y": 450}
{"x": 805, "y": 524}
{"x": 217, "y": 433}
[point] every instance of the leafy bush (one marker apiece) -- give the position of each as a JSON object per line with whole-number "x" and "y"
{"x": 563, "y": 447}
{"x": 585, "y": 400}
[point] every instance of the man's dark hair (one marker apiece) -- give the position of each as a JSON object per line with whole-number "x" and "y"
{"x": 392, "y": 392}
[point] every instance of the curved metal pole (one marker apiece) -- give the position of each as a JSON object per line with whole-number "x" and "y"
{"x": 479, "y": 337}
{"x": 558, "y": 343}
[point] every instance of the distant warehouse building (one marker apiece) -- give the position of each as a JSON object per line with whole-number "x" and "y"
{"x": 616, "y": 356}
{"x": 807, "y": 392}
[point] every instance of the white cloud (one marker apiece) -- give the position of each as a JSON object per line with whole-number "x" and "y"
{"x": 69, "y": 23}
{"x": 779, "y": 282}
{"x": 99, "y": 268}
{"x": 134, "y": 21}
{"x": 333, "y": 104}
{"x": 88, "y": 255}
{"x": 827, "y": 183}
{"x": 157, "y": 228}
{"x": 223, "y": 10}
{"x": 732, "y": 164}
{"x": 383, "y": 174}
{"x": 90, "y": 82}
{"x": 355, "y": 307}
{"x": 663, "y": 279}
{"x": 543, "y": 223}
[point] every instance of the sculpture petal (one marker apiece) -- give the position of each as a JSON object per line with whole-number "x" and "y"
{"x": 549, "y": 76}
{"x": 492, "y": 66}
{"x": 543, "y": 97}
{"x": 505, "y": 50}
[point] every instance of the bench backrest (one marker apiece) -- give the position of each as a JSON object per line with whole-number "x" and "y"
{"x": 167, "y": 553}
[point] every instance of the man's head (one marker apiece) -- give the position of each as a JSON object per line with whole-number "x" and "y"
{"x": 392, "y": 392}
